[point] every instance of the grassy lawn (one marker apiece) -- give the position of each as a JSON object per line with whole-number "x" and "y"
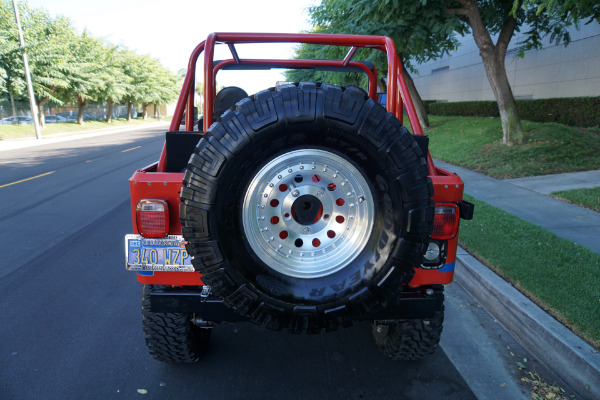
{"x": 589, "y": 198}
{"x": 558, "y": 275}
{"x": 549, "y": 148}
{"x": 27, "y": 131}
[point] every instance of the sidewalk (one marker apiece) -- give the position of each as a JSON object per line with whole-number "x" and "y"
{"x": 13, "y": 144}
{"x": 526, "y": 198}
{"x": 570, "y": 357}
{"x": 553, "y": 183}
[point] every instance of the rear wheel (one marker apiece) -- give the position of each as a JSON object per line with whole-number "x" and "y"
{"x": 172, "y": 337}
{"x": 410, "y": 339}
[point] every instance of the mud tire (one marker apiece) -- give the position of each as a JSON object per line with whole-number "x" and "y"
{"x": 410, "y": 339}
{"x": 276, "y": 122}
{"x": 172, "y": 337}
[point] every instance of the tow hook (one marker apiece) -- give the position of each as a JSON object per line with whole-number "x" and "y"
{"x": 205, "y": 292}
{"x": 381, "y": 327}
{"x": 202, "y": 324}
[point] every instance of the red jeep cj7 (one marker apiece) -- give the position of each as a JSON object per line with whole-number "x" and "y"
{"x": 304, "y": 207}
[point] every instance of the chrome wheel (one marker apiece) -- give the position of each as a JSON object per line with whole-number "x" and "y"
{"x": 308, "y": 213}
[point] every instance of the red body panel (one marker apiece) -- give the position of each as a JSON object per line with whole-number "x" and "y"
{"x": 152, "y": 185}
{"x": 447, "y": 188}
{"x": 171, "y": 278}
{"x": 154, "y": 182}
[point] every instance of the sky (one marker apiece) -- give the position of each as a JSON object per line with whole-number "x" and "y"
{"x": 169, "y": 30}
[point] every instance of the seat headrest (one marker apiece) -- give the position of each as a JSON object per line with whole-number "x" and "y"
{"x": 226, "y": 98}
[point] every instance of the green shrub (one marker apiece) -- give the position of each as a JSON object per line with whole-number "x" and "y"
{"x": 577, "y": 111}
{"x": 572, "y": 111}
{"x": 466, "y": 109}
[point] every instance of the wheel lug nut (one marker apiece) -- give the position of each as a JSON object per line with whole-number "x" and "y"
{"x": 320, "y": 193}
{"x": 295, "y": 193}
{"x": 306, "y": 230}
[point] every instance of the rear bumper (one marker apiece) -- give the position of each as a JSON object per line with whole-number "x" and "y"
{"x": 409, "y": 305}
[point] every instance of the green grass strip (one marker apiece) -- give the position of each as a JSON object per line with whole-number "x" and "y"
{"x": 549, "y": 148}
{"x": 28, "y": 131}
{"x": 589, "y": 198}
{"x": 559, "y": 275}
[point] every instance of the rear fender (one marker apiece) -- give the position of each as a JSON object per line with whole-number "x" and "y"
{"x": 148, "y": 184}
{"x": 447, "y": 188}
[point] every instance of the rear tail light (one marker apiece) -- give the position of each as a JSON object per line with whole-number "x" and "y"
{"x": 445, "y": 222}
{"x": 152, "y": 217}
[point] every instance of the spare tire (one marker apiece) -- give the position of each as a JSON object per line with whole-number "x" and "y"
{"x": 307, "y": 206}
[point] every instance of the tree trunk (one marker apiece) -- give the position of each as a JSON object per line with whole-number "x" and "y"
{"x": 512, "y": 131}
{"x": 110, "y": 111}
{"x": 81, "y": 104}
{"x": 40, "y": 106}
{"x": 14, "y": 108}
{"x": 493, "y": 57}
{"x": 145, "y": 111}
{"x": 129, "y": 107}
{"x": 416, "y": 99}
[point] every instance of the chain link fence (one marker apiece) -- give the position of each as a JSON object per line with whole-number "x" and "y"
{"x": 60, "y": 113}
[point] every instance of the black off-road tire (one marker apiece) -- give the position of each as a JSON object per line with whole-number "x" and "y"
{"x": 172, "y": 337}
{"x": 410, "y": 339}
{"x": 341, "y": 124}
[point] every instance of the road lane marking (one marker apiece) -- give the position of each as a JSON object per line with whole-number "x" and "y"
{"x": 28, "y": 179}
{"x": 133, "y": 148}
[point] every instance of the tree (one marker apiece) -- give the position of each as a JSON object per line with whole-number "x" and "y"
{"x": 166, "y": 85}
{"x": 504, "y": 18}
{"x": 151, "y": 83}
{"x": 159, "y": 85}
{"x": 311, "y": 51}
{"x": 573, "y": 11}
{"x": 66, "y": 66}
{"x": 486, "y": 19}
{"x": 116, "y": 82}
{"x": 4, "y": 50}
{"x": 134, "y": 72}
{"x": 50, "y": 59}
{"x": 420, "y": 32}
{"x": 90, "y": 72}
{"x": 139, "y": 69}
{"x": 12, "y": 73}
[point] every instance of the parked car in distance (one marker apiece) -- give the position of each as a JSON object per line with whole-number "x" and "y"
{"x": 24, "y": 119}
{"x": 69, "y": 117}
{"x": 72, "y": 117}
{"x": 52, "y": 119}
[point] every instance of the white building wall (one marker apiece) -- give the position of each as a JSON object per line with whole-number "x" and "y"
{"x": 553, "y": 71}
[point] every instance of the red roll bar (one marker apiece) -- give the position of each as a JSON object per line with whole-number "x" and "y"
{"x": 396, "y": 99}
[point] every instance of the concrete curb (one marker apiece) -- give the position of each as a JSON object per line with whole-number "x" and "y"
{"x": 14, "y": 144}
{"x": 563, "y": 352}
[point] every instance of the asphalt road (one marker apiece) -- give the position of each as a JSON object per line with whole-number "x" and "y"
{"x": 70, "y": 323}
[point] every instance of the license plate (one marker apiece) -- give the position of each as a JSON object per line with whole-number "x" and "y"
{"x": 162, "y": 254}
